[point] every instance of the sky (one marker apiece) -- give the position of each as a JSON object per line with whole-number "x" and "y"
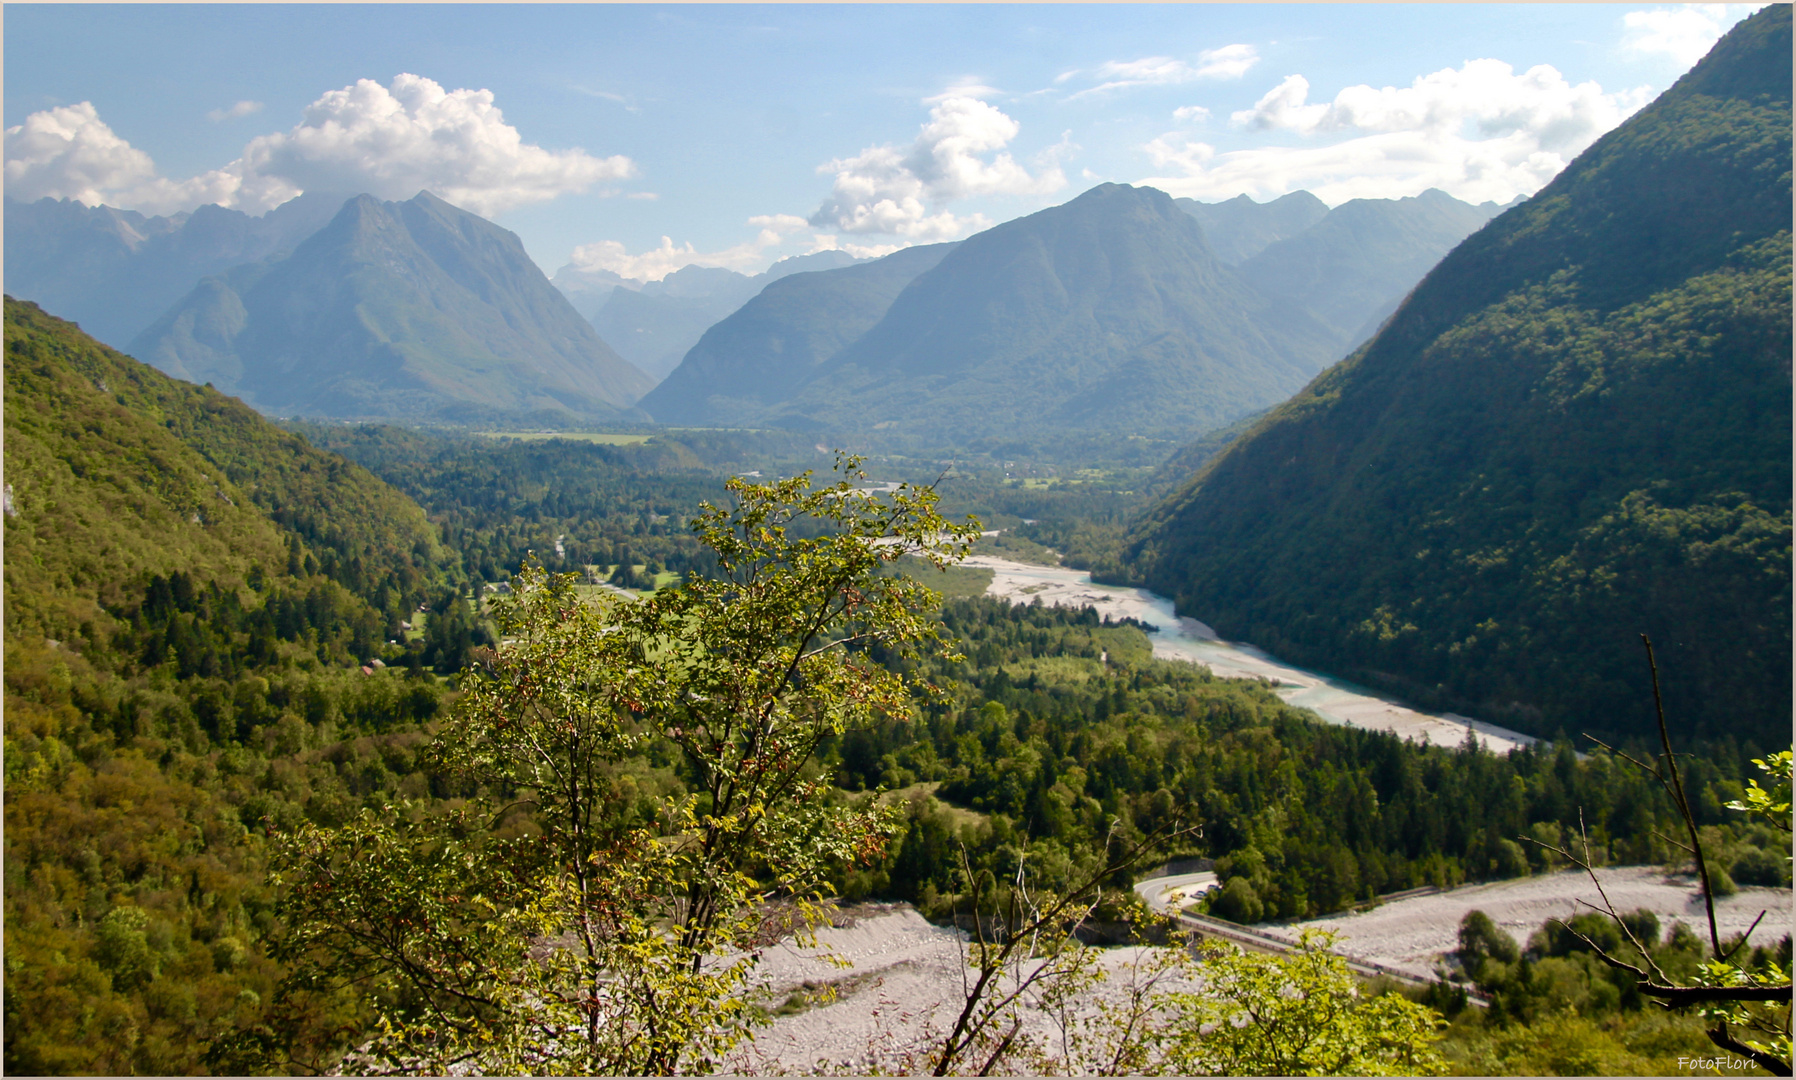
{"x": 639, "y": 138}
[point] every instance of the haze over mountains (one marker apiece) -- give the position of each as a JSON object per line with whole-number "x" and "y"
{"x": 1239, "y": 228}
{"x": 1112, "y": 312}
{"x": 1577, "y": 429}
{"x": 116, "y": 271}
{"x": 763, "y": 353}
{"x": 653, "y": 324}
{"x": 414, "y": 309}
{"x": 1353, "y": 266}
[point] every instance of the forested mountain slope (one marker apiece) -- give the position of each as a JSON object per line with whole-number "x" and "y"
{"x": 190, "y": 596}
{"x": 1577, "y": 429}
{"x": 1109, "y": 312}
{"x": 116, "y": 473}
{"x": 760, "y": 354}
{"x": 414, "y": 309}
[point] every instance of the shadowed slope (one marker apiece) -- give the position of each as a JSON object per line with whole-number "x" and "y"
{"x": 1576, "y": 429}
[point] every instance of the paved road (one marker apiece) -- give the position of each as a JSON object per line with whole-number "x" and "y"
{"x": 1168, "y": 894}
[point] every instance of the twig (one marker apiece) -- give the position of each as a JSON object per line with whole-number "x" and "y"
{"x": 1744, "y": 938}
{"x": 1683, "y": 802}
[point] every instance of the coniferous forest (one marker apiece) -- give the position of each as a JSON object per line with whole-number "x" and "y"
{"x": 386, "y": 741}
{"x": 179, "y": 691}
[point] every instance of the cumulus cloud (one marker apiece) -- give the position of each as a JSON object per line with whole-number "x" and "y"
{"x": 69, "y": 153}
{"x": 899, "y": 191}
{"x": 1191, "y": 114}
{"x": 392, "y": 141}
{"x": 241, "y": 109}
{"x": 1228, "y": 62}
{"x": 1685, "y": 34}
{"x": 389, "y": 141}
{"x": 1480, "y": 131}
{"x": 658, "y": 262}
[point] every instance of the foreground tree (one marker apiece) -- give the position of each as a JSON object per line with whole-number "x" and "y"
{"x": 1225, "y": 1012}
{"x": 569, "y": 917}
{"x": 1747, "y": 1011}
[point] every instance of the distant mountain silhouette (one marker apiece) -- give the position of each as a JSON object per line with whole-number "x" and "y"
{"x": 415, "y": 309}
{"x": 1356, "y": 263}
{"x": 1106, "y": 313}
{"x": 757, "y": 357}
{"x": 653, "y": 324}
{"x": 1239, "y": 228}
{"x": 1112, "y": 313}
{"x": 116, "y": 271}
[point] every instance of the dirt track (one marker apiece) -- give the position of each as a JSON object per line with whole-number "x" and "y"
{"x": 904, "y": 978}
{"x": 1412, "y": 934}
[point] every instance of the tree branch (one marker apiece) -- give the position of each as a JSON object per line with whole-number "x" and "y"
{"x": 1771, "y": 1064}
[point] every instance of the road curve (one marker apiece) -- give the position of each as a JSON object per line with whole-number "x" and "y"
{"x": 1168, "y": 894}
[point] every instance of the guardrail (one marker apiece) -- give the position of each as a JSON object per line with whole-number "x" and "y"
{"x": 1207, "y": 925}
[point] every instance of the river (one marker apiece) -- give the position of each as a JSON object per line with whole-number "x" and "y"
{"x": 1334, "y": 700}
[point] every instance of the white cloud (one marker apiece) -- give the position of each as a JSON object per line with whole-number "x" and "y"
{"x": 242, "y": 108}
{"x": 658, "y": 262}
{"x": 1684, "y": 33}
{"x": 1191, "y": 113}
{"x": 1480, "y": 131}
{"x": 828, "y": 242}
{"x": 69, "y": 153}
{"x": 390, "y": 142}
{"x": 394, "y": 141}
{"x": 1487, "y": 95}
{"x": 885, "y": 189}
{"x": 1283, "y": 107}
{"x": 1228, "y": 62}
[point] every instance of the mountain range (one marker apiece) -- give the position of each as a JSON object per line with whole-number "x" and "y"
{"x": 116, "y": 271}
{"x": 1575, "y": 431}
{"x": 1121, "y": 312}
{"x": 653, "y": 324}
{"x": 757, "y": 357}
{"x": 1112, "y": 312}
{"x": 415, "y": 309}
{"x": 1239, "y": 228}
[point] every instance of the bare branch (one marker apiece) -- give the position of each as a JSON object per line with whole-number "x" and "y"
{"x": 1744, "y": 938}
{"x": 1003, "y": 1048}
{"x": 1679, "y": 844}
{"x": 1683, "y": 802}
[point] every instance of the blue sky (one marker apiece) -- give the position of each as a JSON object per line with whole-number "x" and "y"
{"x": 745, "y": 133}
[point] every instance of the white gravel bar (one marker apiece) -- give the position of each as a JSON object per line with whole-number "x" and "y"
{"x": 1335, "y": 700}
